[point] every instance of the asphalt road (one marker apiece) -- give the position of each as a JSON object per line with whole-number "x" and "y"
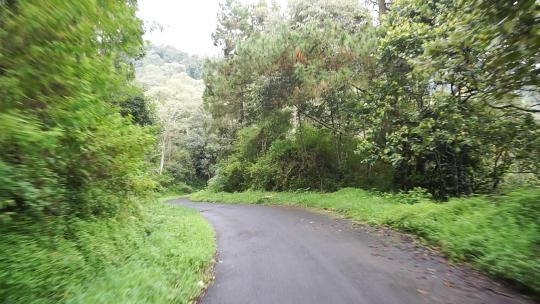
{"x": 280, "y": 255}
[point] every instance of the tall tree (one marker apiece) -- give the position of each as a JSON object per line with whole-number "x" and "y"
{"x": 415, "y": 100}
{"x": 64, "y": 147}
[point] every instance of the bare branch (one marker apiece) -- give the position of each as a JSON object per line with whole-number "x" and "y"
{"x": 511, "y": 106}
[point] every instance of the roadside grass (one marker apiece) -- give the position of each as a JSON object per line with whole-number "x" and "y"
{"x": 170, "y": 196}
{"x": 158, "y": 254}
{"x": 499, "y": 235}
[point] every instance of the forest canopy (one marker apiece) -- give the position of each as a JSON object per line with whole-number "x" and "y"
{"x": 435, "y": 94}
{"x": 173, "y": 91}
{"x": 428, "y": 99}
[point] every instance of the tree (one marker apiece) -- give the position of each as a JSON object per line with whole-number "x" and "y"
{"x": 492, "y": 54}
{"x": 307, "y": 68}
{"x": 187, "y": 146}
{"x": 64, "y": 147}
{"x": 425, "y": 116}
{"x": 416, "y": 100}
{"x": 136, "y": 107}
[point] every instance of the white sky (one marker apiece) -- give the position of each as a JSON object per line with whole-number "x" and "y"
{"x": 187, "y": 24}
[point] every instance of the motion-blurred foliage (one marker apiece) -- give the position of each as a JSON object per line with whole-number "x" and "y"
{"x": 158, "y": 254}
{"x": 73, "y": 164}
{"x": 64, "y": 147}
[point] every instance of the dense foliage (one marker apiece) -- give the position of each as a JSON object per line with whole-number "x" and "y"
{"x": 65, "y": 149}
{"x": 179, "y": 61}
{"x": 187, "y": 149}
{"x": 75, "y": 143}
{"x": 434, "y": 98}
{"x": 439, "y": 94}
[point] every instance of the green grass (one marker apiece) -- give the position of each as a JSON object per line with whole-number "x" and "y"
{"x": 170, "y": 196}
{"x": 159, "y": 254}
{"x": 498, "y": 235}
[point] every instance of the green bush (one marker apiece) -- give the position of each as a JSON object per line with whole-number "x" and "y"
{"x": 230, "y": 176}
{"x": 413, "y": 196}
{"x": 168, "y": 184}
{"x": 309, "y": 158}
{"x": 264, "y": 173}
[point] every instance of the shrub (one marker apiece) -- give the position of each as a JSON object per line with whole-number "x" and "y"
{"x": 309, "y": 158}
{"x": 413, "y": 196}
{"x": 230, "y": 176}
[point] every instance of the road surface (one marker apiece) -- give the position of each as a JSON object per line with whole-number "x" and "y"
{"x": 281, "y": 255}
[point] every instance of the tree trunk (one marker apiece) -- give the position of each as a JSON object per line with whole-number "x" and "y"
{"x": 162, "y": 159}
{"x": 163, "y": 148}
{"x": 382, "y": 8}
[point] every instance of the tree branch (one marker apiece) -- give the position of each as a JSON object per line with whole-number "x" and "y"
{"x": 324, "y": 124}
{"x": 511, "y": 106}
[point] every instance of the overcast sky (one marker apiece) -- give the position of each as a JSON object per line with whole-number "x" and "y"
{"x": 187, "y": 24}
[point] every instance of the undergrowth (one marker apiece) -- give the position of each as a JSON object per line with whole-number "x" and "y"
{"x": 157, "y": 254}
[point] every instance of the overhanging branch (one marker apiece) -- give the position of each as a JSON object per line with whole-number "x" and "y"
{"x": 511, "y": 106}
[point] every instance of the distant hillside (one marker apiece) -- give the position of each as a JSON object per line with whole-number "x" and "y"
{"x": 173, "y": 89}
{"x": 190, "y": 64}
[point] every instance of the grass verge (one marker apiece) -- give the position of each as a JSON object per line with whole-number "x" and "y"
{"x": 159, "y": 254}
{"x": 498, "y": 235}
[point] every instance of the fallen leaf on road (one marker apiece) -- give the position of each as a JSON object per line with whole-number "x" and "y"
{"x": 448, "y": 284}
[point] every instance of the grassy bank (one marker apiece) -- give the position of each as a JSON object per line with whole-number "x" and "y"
{"x": 498, "y": 235}
{"x": 156, "y": 254}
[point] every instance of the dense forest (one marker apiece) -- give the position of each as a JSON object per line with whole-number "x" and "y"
{"x": 173, "y": 92}
{"x": 424, "y": 116}
{"x": 170, "y": 60}
{"x": 440, "y": 95}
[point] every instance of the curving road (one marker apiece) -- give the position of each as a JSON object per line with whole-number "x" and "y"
{"x": 280, "y": 255}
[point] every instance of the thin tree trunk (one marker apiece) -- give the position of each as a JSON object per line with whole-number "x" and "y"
{"x": 494, "y": 173}
{"x": 382, "y": 8}
{"x": 303, "y": 147}
{"x": 163, "y": 150}
{"x": 162, "y": 162}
